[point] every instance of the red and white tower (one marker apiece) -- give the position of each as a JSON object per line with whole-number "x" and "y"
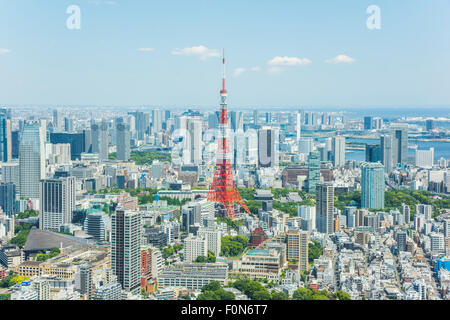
{"x": 223, "y": 189}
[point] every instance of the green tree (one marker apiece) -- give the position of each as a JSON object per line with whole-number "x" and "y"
{"x": 27, "y": 214}
{"x": 278, "y": 296}
{"x": 212, "y": 286}
{"x": 22, "y": 232}
{"x": 303, "y": 294}
{"x": 5, "y": 296}
{"x": 167, "y": 252}
{"x": 310, "y": 294}
{"x": 42, "y": 256}
{"x": 341, "y": 295}
{"x": 233, "y": 246}
{"x": 253, "y": 289}
{"x": 315, "y": 250}
{"x": 214, "y": 291}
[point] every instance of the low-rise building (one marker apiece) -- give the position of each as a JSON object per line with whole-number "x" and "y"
{"x": 259, "y": 263}
{"x": 193, "y": 276}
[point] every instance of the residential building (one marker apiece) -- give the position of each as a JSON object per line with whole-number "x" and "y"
{"x": 126, "y": 248}
{"x": 325, "y": 208}
{"x": 57, "y": 202}
{"x": 372, "y": 185}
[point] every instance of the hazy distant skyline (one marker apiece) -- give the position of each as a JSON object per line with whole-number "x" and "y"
{"x": 279, "y": 53}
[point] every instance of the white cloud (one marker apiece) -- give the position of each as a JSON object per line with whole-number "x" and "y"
{"x": 341, "y": 59}
{"x": 289, "y": 61}
{"x": 4, "y": 51}
{"x": 200, "y": 51}
{"x": 146, "y": 49}
{"x": 238, "y": 71}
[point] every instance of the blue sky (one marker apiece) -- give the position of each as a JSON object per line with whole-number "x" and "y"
{"x": 405, "y": 63}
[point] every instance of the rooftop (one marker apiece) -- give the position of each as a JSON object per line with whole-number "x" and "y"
{"x": 43, "y": 240}
{"x": 258, "y": 252}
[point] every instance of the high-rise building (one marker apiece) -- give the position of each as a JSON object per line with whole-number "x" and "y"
{"x": 213, "y": 239}
{"x": 123, "y": 140}
{"x": 195, "y": 247}
{"x": 213, "y": 120}
{"x": 426, "y": 210}
{"x": 325, "y": 208}
{"x": 126, "y": 248}
{"x": 360, "y": 215}
{"x": 338, "y": 151}
{"x": 373, "y": 221}
{"x": 42, "y": 287}
{"x": 96, "y": 225}
{"x": 31, "y": 159}
{"x": 406, "y": 213}
{"x": 255, "y": 116}
{"x": 447, "y": 228}
{"x": 237, "y": 120}
{"x": 5, "y": 138}
{"x": 190, "y": 129}
{"x": 239, "y": 149}
{"x": 267, "y": 143}
{"x": 437, "y": 242}
{"x": 305, "y": 145}
{"x": 84, "y": 282}
{"x": 157, "y": 120}
{"x": 425, "y": 158}
{"x": 100, "y": 139}
{"x": 386, "y": 155}
{"x": 57, "y": 120}
{"x": 8, "y": 198}
{"x": 142, "y": 122}
{"x": 57, "y": 202}
{"x": 327, "y": 120}
{"x": 308, "y": 214}
{"x": 377, "y": 123}
{"x": 194, "y": 147}
{"x": 402, "y": 238}
{"x": 11, "y": 173}
{"x": 166, "y": 115}
{"x": 297, "y": 248}
{"x": 68, "y": 125}
{"x": 313, "y": 172}
{"x": 372, "y": 185}
{"x": 373, "y": 153}
{"x": 7, "y": 227}
{"x": 298, "y": 127}
{"x": 77, "y": 142}
{"x": 151, "y": 262}
{"x": 399, "y": 132}
{"x": 350, "y": 213}
{"x": 368, "y": 122}
{"x": 15, "y": 144}
{"x": 268, "y": 117}
{"x": 429, "y": 125}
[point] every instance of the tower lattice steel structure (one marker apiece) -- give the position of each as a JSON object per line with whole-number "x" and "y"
{"x": 223, "y": 189}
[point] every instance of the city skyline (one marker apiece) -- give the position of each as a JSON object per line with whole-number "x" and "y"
{"x": 279, "y": 54}
{"x": 133, "y": 169}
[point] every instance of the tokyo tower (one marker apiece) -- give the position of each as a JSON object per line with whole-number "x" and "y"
{"x": 223, "y": 189}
